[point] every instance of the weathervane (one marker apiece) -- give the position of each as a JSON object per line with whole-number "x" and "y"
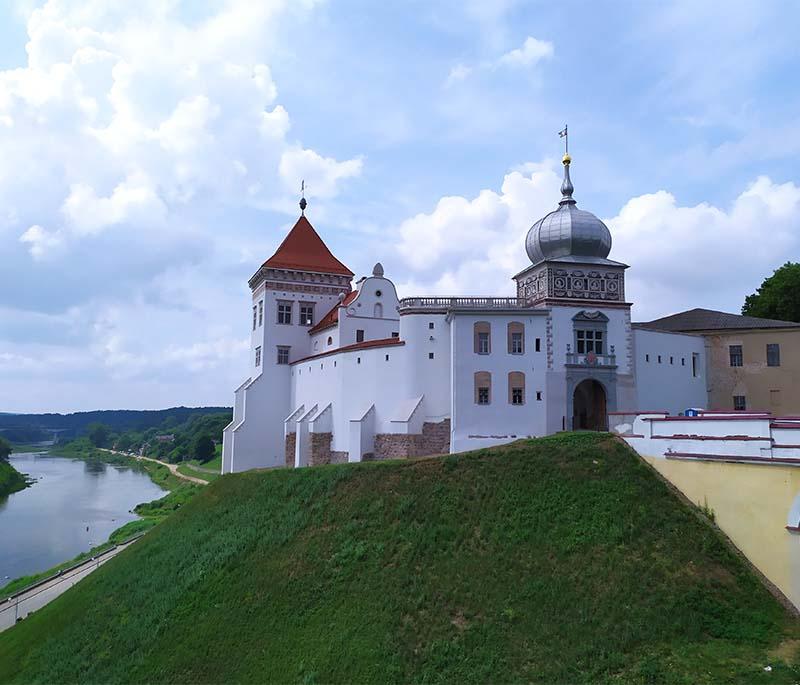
{"x": 565, "y": 135}
{"x": 303, "y": 203}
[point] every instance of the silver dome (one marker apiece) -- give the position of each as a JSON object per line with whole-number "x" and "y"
{"x": 568, "y": 231}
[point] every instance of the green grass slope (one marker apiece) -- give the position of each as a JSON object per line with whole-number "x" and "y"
{"x": 561, "y": 560}
{"x": 11, "y": 480}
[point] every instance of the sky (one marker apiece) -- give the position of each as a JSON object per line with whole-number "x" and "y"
{"x": 151, "y": 155}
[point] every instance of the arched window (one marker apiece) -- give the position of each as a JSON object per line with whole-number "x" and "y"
{"x": 378, "y": 313}
{"x": 483, "y": 387}
{"x": 482, "y": 337}
{"x": 516, "y": 338}
{"x": 330, "y": 340}
{"x": 516, "y": 387}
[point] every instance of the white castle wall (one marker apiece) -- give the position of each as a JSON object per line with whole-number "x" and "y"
{"x": 668, "y": 384}
{"x": 475, "y": 425}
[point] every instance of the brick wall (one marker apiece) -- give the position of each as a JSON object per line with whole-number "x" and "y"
{"x": 339, "y": 457}
{"x": 320, "y": 448}
{"x": 291, "y": 439}
{"x": 396, "y": 446}
{"x": 436, "y": 437}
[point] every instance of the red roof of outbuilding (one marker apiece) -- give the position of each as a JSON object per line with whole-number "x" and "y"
{"x": 304, "y": 250}
{"x": 332, "y": 317}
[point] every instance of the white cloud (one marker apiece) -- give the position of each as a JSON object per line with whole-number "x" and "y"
{"x": 680, "y": 257}
{"x": 132, "y": 143}
{"x": 531, "y": 52}
{"x": 528, "y": 55}
{"x": 42, "y": 243}
{"x": 322, "y": 174}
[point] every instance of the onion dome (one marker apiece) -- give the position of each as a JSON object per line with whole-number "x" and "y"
{"x": 568, "y": 231}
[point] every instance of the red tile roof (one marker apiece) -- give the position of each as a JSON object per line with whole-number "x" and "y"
{"x": 304, "y": 250}
{"x": 367, "y": 344}
{"x": 332, "y": 317}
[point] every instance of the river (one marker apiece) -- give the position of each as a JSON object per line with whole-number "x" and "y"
{"x": 73, "y": 506}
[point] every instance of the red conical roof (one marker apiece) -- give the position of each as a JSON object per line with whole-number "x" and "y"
{"x": 303, "y": 250}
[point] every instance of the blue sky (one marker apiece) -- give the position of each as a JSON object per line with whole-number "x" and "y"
{"x": 151, "y": 153}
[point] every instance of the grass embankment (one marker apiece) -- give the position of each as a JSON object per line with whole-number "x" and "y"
{"x": 11, "y": 480}
{"x": 560, "y": 560}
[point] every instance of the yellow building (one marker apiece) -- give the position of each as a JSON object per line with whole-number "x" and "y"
{"x": 752, "y": 363}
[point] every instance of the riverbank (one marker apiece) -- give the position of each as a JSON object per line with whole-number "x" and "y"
{"x": 11, "y": 480}
{"x": 151, "y": 513}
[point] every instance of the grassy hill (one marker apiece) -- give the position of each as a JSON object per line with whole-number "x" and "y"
{"x": 560, "y": 560}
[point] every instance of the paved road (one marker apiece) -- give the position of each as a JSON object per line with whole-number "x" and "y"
{"x": 172, "y": 467}
{"x": 19, "y": 606}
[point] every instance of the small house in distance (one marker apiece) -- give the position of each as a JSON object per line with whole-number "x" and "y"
{"x": 752, "y": 363}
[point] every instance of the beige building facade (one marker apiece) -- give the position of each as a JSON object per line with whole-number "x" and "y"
{"x": 752, "y": 364}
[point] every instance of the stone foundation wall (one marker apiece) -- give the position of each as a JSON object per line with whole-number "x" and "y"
{"x": 320, "y": 448}
{"x": 436, "y": 437}
{"x": 339, "y": 457}
{"x": 291, "y": 439}
{"x": 396, "y": 446}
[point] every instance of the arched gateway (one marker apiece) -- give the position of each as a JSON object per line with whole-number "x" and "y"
{"x": 589, "y": 406}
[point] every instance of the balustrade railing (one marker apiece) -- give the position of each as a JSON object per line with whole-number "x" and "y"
{"x": 463, "y": 303}
{"x": 591, "y": 359}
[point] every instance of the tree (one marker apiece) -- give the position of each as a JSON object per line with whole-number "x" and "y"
{"x": 203, "y": 448}
{"x": 98, "y": 434}
{"x": 778, "y": 297}
{"x": 5, "y": 448}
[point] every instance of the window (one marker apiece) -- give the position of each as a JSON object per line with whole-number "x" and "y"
{"x": 589, "y": 341}
{"x": 538, "y": 344}
{"x": 358, "y": 360}
{"x": 261, "y": 312}
{"x": 483, "y": 387}
{"x": 694, "y": 364}
{"x": 360, "y": 335}
{"x": 538, "y": 395}
{"x": 395, "y": 334}
{"x": 378, "y": 293}
{"x": 258, "y": 356}
{"x": 284, "y": 312}
{"x": 387, "y": 357}
{"x": 482, "y": 340}
{"x": 671, "y": 360}
{"x": 647, "y": 357}
{"x": 516, "y": 338}
{"x": 378, "y": 311}
{"x": 306, "y": 313}
{"x": 774, "y": 399}
{"x": 773, "y": 354}
{"x": 430, "y": 355}
{"x": 255, "y": 315}
{"x": 736, "y": 355}
{"x": 516, "y": 387}
{"x": 739, "y": 402}
{"x": 430, "y": 325}
{"x": 330, "y": 340}
{"x": 283, "y": 354}
{"x": 683, "y": 361}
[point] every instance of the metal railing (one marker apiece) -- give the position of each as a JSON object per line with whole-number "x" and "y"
{"x": 444, "y": 303}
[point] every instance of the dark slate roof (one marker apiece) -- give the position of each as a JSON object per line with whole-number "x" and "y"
{"x": 711, "y": 320}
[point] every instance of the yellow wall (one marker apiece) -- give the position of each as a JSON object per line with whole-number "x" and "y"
{"x": 751, "y": 504}
{"x": 767, "y": 388}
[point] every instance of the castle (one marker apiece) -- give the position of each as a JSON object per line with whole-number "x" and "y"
{"x": 348, "y": 372}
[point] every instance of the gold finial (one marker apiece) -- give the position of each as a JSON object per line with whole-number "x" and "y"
{"x": 566, "y": 160}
